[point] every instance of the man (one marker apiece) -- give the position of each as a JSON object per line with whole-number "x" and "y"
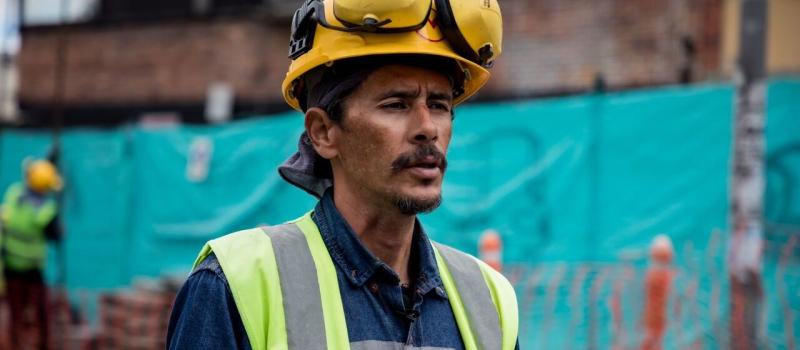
{"x": 377, "y": 85}
{"x": 29, "y": 218}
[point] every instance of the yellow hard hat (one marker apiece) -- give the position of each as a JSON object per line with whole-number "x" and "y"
{"x": 42, "y": 176}
{"x": 325, "y": 31}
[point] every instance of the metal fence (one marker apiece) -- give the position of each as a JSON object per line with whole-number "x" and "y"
{"x": 602, "y": 305}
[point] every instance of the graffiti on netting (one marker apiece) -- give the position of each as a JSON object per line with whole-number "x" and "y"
{"x": 507, "y": 183}
{"x": 782, "y": 197}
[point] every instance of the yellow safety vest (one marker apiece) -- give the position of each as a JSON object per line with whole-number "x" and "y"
{"x": 285, "y": 287}
{"x": 24, "y": 246}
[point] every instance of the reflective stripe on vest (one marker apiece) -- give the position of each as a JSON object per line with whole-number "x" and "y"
{"x": 305, "y": 327}
{"x": 24, "y": 245}
{"x": 481, "y": 313}
{"x": 389, "y": 345}
{"x": 282, "y": 306}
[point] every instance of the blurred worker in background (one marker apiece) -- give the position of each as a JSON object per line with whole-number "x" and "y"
{"x": 29, "y": 218}
{"x": 377, "y": 82}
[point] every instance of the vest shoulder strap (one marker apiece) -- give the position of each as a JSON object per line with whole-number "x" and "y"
{"x": 483, "y": 301}
{"x": 284, "y": 285}
{"x": 248, "y": 260}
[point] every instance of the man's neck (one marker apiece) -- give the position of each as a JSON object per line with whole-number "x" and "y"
{"x": 31, "y": 193}
{"x": 385, "y": 232}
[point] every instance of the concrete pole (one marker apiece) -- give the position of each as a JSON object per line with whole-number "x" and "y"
{"x": 9, "y": 47}
{"x": 747, "y": 179}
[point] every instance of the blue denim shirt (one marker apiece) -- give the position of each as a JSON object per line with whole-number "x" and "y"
{"x": 378, "y": 309}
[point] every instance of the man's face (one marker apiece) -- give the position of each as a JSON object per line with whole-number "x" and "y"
{"x": 394, "y": 137}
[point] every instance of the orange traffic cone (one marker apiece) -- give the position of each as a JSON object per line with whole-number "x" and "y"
{"x": 490, "y": 249}
{"x": 657, "y": 289}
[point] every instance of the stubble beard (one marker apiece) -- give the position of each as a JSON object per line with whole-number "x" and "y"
{"x": 413, "y": 206}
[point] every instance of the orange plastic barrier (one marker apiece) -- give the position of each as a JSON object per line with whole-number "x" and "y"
{"x": 490, "y": 249}
{"x": 657, "y": 288}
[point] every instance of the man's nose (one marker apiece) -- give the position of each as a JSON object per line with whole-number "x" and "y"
{"x": 426, "y": 130}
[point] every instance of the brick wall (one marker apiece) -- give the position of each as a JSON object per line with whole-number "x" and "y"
{"x": 156, "y": 63}
{"x": 562, "y": 45}
{"x": 550, "y": 45}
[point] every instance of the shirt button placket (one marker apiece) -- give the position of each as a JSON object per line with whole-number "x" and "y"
{"x": 413, "y": 328}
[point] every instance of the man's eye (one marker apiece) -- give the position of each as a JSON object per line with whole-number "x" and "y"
{"x": 394, "y": 105}
{"x": 439, "y": 106}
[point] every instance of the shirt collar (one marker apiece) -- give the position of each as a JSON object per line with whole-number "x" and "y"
{"x": 33, "y": 197}
{"x": 357, "y": 263}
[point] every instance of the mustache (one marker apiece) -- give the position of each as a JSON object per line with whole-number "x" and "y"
{"x": 424, "y": 154}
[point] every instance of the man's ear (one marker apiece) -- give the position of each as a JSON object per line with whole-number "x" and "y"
{"x": 323, "y": 132}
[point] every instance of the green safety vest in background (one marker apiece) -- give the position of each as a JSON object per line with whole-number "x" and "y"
{"x": 285, "y": 287}
{"x": 24, "y": 245}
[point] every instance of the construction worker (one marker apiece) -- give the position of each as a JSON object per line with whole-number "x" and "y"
{"x": 29, "y": 218}
{"x": 377, "y": 82}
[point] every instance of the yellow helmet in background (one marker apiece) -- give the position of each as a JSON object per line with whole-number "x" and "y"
{"x": 42, "y": 176}
{"x": 325, "y": 31}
